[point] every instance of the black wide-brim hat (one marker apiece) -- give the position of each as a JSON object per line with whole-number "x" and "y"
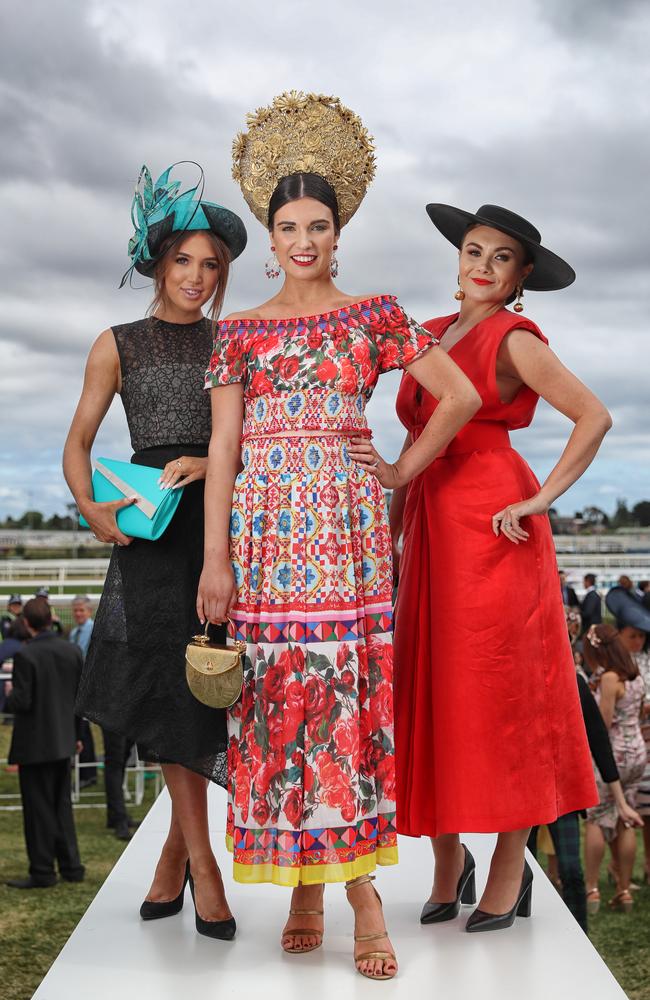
{"x": 549, "y": 272}
{"x": 206, "y": 216}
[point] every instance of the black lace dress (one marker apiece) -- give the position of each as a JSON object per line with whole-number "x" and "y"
{"x": 134, "y": 675}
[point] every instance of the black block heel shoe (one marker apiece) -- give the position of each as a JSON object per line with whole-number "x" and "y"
{"x": 482, "y": 921}
{"x": 155, "y": 911}
{"x": 435, "y": 913}
{"x": 224, "y": 930}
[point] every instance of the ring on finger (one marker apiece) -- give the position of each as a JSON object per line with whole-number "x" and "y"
{"x": 179, "y": 463}
{"x": 507, "y": 524}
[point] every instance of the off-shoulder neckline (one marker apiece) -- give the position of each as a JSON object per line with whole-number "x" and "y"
{"x": 303, "y": 319}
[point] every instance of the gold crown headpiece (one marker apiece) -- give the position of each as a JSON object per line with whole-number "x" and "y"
{"x": 303, "y": 133}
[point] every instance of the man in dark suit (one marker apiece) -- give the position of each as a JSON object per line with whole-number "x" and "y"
{"x": 591, "y": 608}
{"x": 80, "y": 634}
{"x": 569, "y": 596}
{"x": 44, "y": 686}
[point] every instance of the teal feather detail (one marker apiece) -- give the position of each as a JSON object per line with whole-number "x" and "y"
{"x": 151, "y": 204}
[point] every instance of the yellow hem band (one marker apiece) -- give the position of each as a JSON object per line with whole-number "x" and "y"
{"x": 312, "y": 874}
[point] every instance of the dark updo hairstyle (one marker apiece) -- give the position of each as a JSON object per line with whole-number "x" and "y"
{"x": 604, "y": 651}
{"x": 303, "y": 185}
{"x": 528, "y": 257}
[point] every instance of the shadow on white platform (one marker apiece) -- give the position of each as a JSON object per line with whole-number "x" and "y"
{"x": 113, "y": 955}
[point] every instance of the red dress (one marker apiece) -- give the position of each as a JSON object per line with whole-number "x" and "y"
{"x": 488, "y": 728}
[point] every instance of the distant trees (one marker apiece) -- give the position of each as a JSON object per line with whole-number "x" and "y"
{"x": 589, "y": 519}
{"x": 36, "y": 521}
{"x": 623, "y": 518}
{"x": 594, "y": 517}
{"x": 641, "y": 513}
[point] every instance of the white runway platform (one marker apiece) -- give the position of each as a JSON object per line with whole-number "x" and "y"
{"x": 113, "y": 955}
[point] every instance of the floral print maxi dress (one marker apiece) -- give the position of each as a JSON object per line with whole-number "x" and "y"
{"x": 311, "y": 754}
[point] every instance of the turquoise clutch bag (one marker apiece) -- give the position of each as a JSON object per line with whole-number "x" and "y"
{"x": 149, "y": 516}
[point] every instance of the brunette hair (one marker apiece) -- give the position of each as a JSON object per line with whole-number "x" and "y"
{"x": 603, "y": 650}
{"x": 37, "y": 614}
{"x": 171, "y": 246}
{"x": 591, "y": 578}
{"x": 528, "y": 257}
{"x": 304, "y": 185}
{"x": 18, "y": 630}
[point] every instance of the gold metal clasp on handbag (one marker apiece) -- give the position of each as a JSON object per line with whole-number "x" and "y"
{"x": 204, "y": 640}
{"x": 214, "y": 671}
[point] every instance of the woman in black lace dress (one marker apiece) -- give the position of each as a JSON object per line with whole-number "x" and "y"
{"x": 134, "y": 683}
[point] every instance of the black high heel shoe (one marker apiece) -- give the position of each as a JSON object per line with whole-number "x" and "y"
{"x": 435, "y": 913}
{"x": 224, "y": 930}
{"x": 481, "y": 921}
{"x": 155, "y": 911}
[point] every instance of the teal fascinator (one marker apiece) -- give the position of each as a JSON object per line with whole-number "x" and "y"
{"x": 161, "y": 209}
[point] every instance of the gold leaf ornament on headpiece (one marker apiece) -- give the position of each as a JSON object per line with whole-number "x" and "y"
{"x": 303, "y": 133}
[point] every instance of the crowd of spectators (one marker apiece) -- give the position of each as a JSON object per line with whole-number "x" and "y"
{"x": 40, "y": 668}
{"x": 613, "y": 671}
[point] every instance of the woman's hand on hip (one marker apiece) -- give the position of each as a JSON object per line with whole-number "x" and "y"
{"x": 102, "y": 519}
{"x": 217, "y": 593}
{"x": 362, "y": 451}
{"x": 507, "y": 521}
{"x": 181, "y": 471}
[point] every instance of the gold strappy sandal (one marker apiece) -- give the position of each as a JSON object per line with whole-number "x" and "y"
{"x": 303, "y": 932}
{"x": 384, "y": 956}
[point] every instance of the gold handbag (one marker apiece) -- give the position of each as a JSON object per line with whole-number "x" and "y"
{"x": 215, "y": 673}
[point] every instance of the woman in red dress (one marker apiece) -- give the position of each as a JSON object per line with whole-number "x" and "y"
{"x": 489, "y": 735}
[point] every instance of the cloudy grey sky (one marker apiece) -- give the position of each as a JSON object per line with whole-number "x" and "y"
{"x": 539, "y": 105}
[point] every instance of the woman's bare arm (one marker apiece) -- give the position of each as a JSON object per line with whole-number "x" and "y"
{"x": 101, "y": 382}
{"x": 217, "y": 592}
{"x": 609, "y": 692}
{"x": 396, "y": 510}
{"x": 523, "y": 356}
{"x": 458, "y": 402}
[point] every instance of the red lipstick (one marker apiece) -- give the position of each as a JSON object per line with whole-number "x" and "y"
{"x": 481, "y": 281}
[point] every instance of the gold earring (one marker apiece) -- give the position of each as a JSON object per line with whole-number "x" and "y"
{"x": 518, "y": 307}
{"x": 460, "y": 294}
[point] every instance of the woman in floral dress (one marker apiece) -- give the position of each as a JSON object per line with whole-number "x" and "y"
{"x": 620, "y": 692}
{"x": 636, "y": 642}
{"x": 306, "y": 571}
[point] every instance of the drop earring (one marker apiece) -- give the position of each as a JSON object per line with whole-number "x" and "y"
{"x": 334, "y": 264}
{"x": 460, "y": 294}
{"x": 272, "y": 265}
{"x": 518, "y": 307}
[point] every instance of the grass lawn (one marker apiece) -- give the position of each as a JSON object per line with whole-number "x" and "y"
{"x": 35, "y": 925}
{"x": 622, "y": 939}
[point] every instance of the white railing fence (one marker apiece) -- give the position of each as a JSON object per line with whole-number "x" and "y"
{"x": 25, "y": 576}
